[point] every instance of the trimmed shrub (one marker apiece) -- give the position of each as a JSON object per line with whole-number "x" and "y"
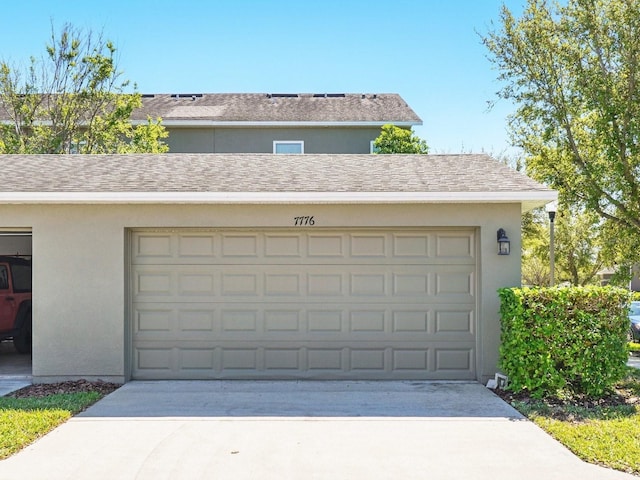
{"x": 559, "y": 341}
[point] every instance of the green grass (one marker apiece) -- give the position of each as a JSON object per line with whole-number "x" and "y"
{"x": 605, "y": 434}
{"x": 24, "y": 420}
{"x": 613, "y": 442}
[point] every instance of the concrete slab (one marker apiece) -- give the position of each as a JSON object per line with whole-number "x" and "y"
{"x": 301, "y": 399}
{"x": 15, "y": 369}
{"x": 293, "y": 430}
{"x": 13, "y": 363}
{"x": 8, "y": 385}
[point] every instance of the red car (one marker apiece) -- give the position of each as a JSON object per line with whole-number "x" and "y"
{"x": 15, "y": 301}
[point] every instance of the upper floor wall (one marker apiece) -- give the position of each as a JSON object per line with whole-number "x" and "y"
{"x": 333, "y": 140}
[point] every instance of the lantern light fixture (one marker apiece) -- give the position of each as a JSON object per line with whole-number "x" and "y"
{"x": 504, "y": 244}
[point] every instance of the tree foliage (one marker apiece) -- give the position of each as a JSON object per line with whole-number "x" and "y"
{"x": 578, "y": 248}
{"x": 573, "y": 71}
{"x": 73, "y": 100}
{"x": 394, "y": 139}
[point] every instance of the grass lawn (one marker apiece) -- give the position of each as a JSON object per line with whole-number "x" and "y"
{"x": 24, "y": 420}
{"x": 605, "y": 432}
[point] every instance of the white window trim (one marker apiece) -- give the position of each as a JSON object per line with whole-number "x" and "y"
{"x": 372, "y": 147}
{"x": 289, "y": 142}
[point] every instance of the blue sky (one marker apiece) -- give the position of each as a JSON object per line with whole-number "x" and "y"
{"x": 428, "y": 51}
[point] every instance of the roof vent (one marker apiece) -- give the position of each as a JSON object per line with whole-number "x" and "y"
{"x": 193, "y": 96}
{"x": 284, "y": 95}
{"x": 148, "y": 95}
{"x": 328, "y": 95}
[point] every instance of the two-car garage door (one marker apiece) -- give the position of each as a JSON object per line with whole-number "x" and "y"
{"x": 357, "y": 304}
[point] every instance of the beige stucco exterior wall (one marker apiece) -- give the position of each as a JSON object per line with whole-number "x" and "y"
{"x": 80, "y": 273}
{"x": 260, "y": 140}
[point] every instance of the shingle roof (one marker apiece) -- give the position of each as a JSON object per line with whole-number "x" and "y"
{"x": 439, "y": 177}
{"x": 264, "y": 107}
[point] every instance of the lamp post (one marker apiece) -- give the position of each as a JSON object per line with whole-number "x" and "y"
{"x": 551, "y": 209}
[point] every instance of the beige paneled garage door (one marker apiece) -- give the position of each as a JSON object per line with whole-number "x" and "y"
{"x": 312, "y": 304}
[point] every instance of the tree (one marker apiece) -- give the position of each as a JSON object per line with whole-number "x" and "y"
{"x": 394, "y": 139}
{"x": 573, "y": 71}
{"x": 73, "y": 100}
{"x": 578, "y": 248}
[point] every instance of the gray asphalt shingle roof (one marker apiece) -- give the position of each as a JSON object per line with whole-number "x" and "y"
{"x": 260, "y": 173}
{"x": 377, "y": 108}
{"x": 263, "y": 107}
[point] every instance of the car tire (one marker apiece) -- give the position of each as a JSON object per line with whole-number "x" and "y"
{"x": 22, "y": 340}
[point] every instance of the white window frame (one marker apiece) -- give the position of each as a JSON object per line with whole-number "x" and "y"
{"x": 372, "y": 147}
{"x": 288, "y": 142}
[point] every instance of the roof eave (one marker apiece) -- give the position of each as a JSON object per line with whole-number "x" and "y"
{"x": 528, "y": 199}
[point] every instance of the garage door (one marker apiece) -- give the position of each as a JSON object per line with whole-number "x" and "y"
{"x": 311, "y": 304}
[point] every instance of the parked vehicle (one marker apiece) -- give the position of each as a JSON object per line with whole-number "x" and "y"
{"x": 15, "y": 301}
{"x": 634, "y": 318}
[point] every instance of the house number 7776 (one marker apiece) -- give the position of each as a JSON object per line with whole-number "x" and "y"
{"x": 303, "y": 221}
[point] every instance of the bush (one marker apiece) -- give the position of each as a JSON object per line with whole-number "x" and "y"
{"x": 559, "y": 341}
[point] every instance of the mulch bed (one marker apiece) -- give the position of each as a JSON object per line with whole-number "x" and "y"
{"x": 75, "y": 386}
{"x": 560, "y": 409}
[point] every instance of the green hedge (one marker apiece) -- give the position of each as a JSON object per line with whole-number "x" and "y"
{"x": 558, "y": 341}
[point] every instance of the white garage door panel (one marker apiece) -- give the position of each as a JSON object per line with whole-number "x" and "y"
{"x": 214, "y": 247}
{"x": 370, "y": 305}
{"x": 243, "y": 283}
{"x": 293, "y": 322}
{"x": 244, "y": 360}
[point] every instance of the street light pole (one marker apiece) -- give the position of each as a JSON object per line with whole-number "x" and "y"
{"x": 551, "y": 210}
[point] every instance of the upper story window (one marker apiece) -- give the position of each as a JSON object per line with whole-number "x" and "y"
{"x": 288, "y": 146}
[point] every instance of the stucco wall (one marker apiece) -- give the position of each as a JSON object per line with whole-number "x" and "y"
{"x": 80, "y": 268}
{"x": 260, "y": 140}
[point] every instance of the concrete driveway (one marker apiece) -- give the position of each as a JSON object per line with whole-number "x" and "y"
{"x": 300, "y": 430}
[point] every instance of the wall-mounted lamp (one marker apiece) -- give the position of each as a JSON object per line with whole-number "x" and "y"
{"x": 504, "y": 244}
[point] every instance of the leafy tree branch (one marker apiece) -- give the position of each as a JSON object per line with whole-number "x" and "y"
{"x": 394, "y": 139}
{"x": 73, "y": 100}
